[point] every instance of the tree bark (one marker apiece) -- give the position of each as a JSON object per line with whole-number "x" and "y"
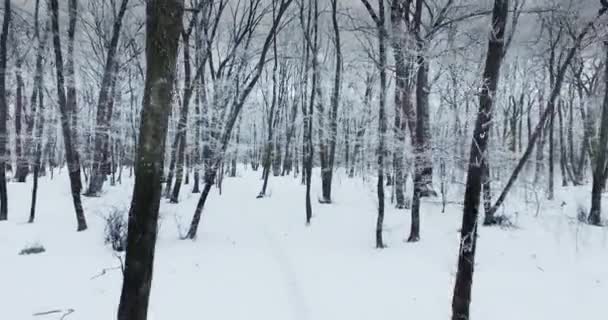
{"x": 468, "y": 232}
{"x": 37, "y": 97}
{"x": 70, "y": 153}
{"x": 70, "y": 80}
{"x": 335, "y": 103}
{"x": 163, "y": 25}
{"x": 599, "y": 171}
{"x": 4, "y": 111}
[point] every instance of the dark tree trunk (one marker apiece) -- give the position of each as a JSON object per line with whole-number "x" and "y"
{"x": 468, "y": 233}
{"x": 269, "y": 146}
{"x": 423, "y": 167}
{"x": 313, "y": 47}
{"x": 70, "y": 77}
{"x": 486, "y": 185}
{"x": 422, "y": 146}
{"x": 599, "y": 171}
{"x": 550, "y": 192}
{"x": 37, "y": 97}
{"x": 4, "y": 111}
{"x": 335, "y": 103}
{"x": 183, "y": 121}
{"x": 172, "y": 162}
{"x": 70, "y": 153}
{"x": 381, "y": 123}
{"x": 321, "y": 131}
{"x": 163, "y": 24}
{"x": 380, "y": 21}
{"x": 102, "y": 127}
{"x": 38, "y": 149}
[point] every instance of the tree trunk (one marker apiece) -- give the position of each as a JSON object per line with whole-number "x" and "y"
{"x": 70, "y": 153}
{"x": 38, "y": 149}
{"x": 402, "y": 98}
{"x": 22, "y": 165}
{"x": 70, "y": 80}
{"x": 468, "y": 232}
{"x": 102, "y": 127}
{"x": 37, "y": 97}
{"x": 599, "y": 171}
{"x": 269, "y": 135}
{"x": 163, "y": 24}
{"x": 183, "y": 121}
{"x": 4, "y": 111}
{"x": 335, "y": 103}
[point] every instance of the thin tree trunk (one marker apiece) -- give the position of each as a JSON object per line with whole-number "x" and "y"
{"x": 70, "y": 80}
{"x": 4, "y": 111}
{"x": 37, "y": 94}
{"x": 70, "y": 153}
{"x": 38, "y": 151}
{"x": 468, "y": 232}
{"x": 335, "y": 103}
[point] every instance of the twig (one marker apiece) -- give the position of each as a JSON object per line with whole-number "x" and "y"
{"x": 67, "y": 313}
{"x": 103, "y": 271}
{"x": 45, "y": 313}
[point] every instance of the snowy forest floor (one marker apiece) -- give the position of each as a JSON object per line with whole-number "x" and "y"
{"x": 256, "y": 259}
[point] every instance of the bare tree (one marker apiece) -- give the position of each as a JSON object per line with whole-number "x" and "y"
{"x": 234, "y": 108}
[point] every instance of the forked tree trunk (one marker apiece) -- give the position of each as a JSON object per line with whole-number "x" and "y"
{"x": 71, "y": 154}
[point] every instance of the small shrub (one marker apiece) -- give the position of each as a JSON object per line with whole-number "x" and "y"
{"x": 581, "y": 213}
{"x": 500, "y": 220}
{"x": 33, "y": 248}
{"x": 115, "y": 232}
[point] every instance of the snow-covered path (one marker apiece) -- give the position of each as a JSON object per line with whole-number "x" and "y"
{"x": 255, "y": 259}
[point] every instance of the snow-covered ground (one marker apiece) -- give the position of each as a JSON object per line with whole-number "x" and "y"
{"x": 255, "y": 258}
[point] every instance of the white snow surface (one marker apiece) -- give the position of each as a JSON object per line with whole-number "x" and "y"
{"x": 256, "y": 259}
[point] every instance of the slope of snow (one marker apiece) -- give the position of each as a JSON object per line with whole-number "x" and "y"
{"x": 255, "y": 258}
